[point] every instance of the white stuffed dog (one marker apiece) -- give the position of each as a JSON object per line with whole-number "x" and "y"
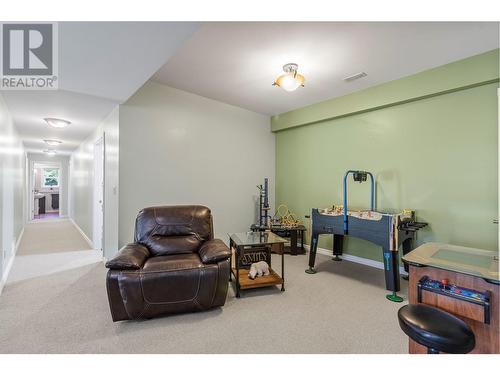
{"x": 258, "y": 269}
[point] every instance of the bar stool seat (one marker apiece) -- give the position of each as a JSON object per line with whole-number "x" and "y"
{"x": 436, "y": 329}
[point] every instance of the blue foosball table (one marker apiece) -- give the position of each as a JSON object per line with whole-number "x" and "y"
{"x": 390, "y": 231}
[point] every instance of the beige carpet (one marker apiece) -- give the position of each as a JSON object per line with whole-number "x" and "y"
{"x": 341, "y": 309}
{"x": 51, "y": 236}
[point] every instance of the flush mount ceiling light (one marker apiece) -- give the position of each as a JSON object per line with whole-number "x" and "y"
{"x": 57, "y": 122}
{"x": 291, "y": 80}
{"x": 50, "y": 152}
{"x": 52, "y": 142}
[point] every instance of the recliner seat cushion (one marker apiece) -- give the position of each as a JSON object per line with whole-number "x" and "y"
{"x": 172, "y": 262}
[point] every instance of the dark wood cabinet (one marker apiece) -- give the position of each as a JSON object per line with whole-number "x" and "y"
{"x": 41, "y": 206}
{"x": 55, "y": 201}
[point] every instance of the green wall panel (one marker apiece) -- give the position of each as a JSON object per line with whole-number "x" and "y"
{"x": 436, "y": 155}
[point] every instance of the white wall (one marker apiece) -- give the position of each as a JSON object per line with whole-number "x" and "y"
{"x": 181, "y": 148}
{"x": 111, "y": 160}
{"x": 82, "y": 182}
{"x": 64, "y": 161}
{"x": 81, "y": 167}
{"x": 12, "y": 190}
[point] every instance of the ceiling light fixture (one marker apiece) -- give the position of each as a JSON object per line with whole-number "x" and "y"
{"x": 52, "y": 142}
{"x": 291, "y": 80}
{"x": 50, "y": 152}
{"x": 57, "y": 122}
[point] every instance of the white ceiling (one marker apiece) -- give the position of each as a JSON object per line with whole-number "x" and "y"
{"x": 236, "y": 63}
{"x": 101, "y": 64}
{"x": 29, "y": 108}
{"x": 113, "y": 59}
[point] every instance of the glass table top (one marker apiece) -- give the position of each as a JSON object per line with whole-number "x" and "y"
{"x": 466, "y": 260}
{"x": 255, "y": 238}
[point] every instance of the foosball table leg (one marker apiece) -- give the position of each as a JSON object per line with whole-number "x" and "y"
{"x": 338, "y": 247}
{"x": 394, "y": 297}
{"x": 311, "y": 271}
{"x": 391, "y": 270}
{"x": 312, "y": 253}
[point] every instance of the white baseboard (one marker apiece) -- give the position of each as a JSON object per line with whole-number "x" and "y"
{"x": 82, "y": 233}
{"x": 356, "y": 259}
{"x": 6, "y": 270}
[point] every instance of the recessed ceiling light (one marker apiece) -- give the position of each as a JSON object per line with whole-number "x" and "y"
{"x": 355, "y": 76}
{"x": 57, "y": 122}
{"x": 291, "y": 80}
{"x": 50, "y": 152}
{"x": 52, "y": 142}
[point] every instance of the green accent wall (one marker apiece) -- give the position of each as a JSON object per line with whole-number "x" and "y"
{"x": 436, "y": 153}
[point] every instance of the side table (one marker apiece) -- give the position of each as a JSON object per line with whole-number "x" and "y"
{"x": 251, "y": 247}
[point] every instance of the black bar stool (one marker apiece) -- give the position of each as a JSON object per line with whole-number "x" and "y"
{"x": 436, "y": 329}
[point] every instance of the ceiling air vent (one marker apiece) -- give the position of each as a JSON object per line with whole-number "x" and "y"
{"x": 355, "y": 76}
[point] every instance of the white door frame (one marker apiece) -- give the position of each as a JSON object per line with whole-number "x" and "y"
{"x": 31, "y": 186}
{"x": 98, "y": 202}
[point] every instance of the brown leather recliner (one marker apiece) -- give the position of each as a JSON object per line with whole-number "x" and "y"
{"x": 174, "y": 265}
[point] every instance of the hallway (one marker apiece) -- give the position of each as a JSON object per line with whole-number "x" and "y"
{"x": 48, "y": 247}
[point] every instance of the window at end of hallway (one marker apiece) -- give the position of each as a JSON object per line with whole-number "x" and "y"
{"x": 50, "y": 177}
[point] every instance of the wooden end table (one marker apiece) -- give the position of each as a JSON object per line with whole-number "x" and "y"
{"x": 252, "y": 247}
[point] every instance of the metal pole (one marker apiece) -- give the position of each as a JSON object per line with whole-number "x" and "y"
{"x": 345, "y": 200}
{"x": 372, "y": 205}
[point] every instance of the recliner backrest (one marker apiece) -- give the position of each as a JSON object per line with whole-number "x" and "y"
{"x": 168, "y": 230}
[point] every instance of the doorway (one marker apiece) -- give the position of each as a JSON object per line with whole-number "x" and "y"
{"x": 98, "y": 195}
{"x": 45, "y": 190}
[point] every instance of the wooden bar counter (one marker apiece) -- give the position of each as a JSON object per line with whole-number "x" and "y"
{"x": 463, "y": 281}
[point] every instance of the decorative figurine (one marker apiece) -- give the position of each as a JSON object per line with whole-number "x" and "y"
{"x": 258, "y": 269}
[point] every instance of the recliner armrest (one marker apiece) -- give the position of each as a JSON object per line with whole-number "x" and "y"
{"x": 130, "y": 257}
{"x": 213, "y": 251}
